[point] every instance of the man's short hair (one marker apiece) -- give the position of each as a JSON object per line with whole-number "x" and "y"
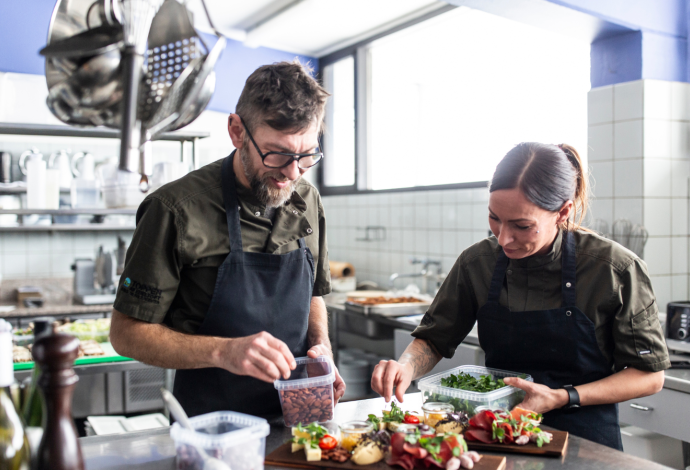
{"x": 283, "y": 96}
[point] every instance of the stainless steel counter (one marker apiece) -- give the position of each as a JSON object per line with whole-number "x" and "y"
{"x": 676, "y": 379}
{"x": 154, "y": 450}
{"x": 52, "y": 310}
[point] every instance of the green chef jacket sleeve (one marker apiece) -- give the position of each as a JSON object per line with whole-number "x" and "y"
{"x": 637, "y": 335}
{"x": 322, "y": 282}
{"x": 152, "y": 266}
{"x": 452, "y": 314}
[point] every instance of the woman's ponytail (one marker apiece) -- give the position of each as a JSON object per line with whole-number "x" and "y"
{"x": 581, "y": 198}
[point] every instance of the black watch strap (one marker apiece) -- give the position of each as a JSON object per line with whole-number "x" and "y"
{"x": 573, "y": 397}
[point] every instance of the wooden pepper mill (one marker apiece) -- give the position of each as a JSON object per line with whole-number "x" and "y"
{"x": 59, "y": 448}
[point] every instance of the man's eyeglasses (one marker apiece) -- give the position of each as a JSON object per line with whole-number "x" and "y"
{"x": 283, "y": 159}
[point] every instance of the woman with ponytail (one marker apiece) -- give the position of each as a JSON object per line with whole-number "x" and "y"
{"x": 551, "y": 299}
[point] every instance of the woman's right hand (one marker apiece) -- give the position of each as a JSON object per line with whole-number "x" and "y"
{"x": 391, "y": 374}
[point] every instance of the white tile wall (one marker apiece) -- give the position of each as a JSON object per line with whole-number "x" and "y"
{"x": 627, "y": 139}
{"x": 628, "y": 100}
{"x": 639, "y": 138}
{"x": 600, "y": 142}
{"x": 435, "y": 224}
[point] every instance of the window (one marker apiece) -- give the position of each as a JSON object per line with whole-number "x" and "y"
{"x": 339, "y": 141}
{"x": 442, "y": 101}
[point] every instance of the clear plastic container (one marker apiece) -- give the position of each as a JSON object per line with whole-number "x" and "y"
{"x": 307, "y": 395}
{"x": 463, "y": 400}
{"x": 237, "y": 439}
{"x": 353, "y": 432}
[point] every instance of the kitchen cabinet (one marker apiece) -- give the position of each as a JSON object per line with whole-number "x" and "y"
{"x": 663, "y": 413}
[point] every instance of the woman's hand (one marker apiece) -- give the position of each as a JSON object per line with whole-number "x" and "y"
{"x": 539, "y": 398}
{"x": 391, "y": 374}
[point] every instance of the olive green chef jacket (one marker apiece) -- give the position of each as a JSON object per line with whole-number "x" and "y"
{"x": 182, "y": 238}
{"x": 613, "y": 290}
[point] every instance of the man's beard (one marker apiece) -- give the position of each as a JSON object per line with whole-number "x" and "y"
{"x": 263, "y": 189}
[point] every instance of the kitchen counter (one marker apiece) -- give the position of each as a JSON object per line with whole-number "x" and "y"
{"x": 53, "y": 310}
{"x": 154, "y": 450}
{"x": 676, "y": 379}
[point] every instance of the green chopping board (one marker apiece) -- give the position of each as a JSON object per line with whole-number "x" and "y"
{"x": 110, "y": 356}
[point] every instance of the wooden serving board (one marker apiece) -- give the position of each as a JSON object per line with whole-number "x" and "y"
{"x": 555, "y": 448}
{"x": 283, "y": 457}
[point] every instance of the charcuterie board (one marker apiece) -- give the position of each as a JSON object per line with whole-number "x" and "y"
{"x": 555, "y": 448}
{"x": 283, "y": 457}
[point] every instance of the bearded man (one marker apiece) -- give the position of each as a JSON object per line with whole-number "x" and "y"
{"x": 224, "y": 277}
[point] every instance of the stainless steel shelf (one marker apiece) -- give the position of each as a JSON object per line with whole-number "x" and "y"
{"x": 69, "y": 212}
{"x": 68, "y": 228}
{"x": 95, "y": 132}
{"x": 15, "y": 190}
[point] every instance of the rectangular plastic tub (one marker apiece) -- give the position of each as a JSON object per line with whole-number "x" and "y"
{"x": 237, "y": 439}
{"x": 307, "y": 395}
{"x": 462, "y": 400}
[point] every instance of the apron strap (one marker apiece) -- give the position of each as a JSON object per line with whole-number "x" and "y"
{"x": 232, "y": 212}
{"x": 497, "y": 278}
{"x": 302, "y": 245}
{"x": 569, "y": 269}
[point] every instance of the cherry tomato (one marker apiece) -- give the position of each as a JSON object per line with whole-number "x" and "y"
{"x": 411, "y": 419}
{"x": 328, "y": 442}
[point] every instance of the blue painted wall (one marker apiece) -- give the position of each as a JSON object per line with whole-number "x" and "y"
{"x": 24, "y": 29}
{"x": 644, "y": 39}
{"x": 658, "y": 51}
{"x": 236, "y": 64}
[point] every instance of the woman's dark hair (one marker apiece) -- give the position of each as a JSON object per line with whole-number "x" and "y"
{"x": 548, "y": 176}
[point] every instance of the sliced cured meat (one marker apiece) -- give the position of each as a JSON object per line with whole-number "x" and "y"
{"x": 508, "y": 433}
{"x": 398, "y": 443}
{"x": 429, "y": 462}
{"x": 416, "y": 451}
{"x": 405, "y": 461}
{"x": 483, "y": 420}
{"x": 480, "y": 435}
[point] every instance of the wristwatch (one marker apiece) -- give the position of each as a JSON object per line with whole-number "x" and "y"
{"x": 573, "y": 397}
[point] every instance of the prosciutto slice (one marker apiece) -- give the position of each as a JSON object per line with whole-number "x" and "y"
{"x": 406, "y": 461}
{"x": 480, "y": 435}
{"x": 483, "y": 420}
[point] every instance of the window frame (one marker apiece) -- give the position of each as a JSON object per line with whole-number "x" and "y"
{"x": 362, "y": 72}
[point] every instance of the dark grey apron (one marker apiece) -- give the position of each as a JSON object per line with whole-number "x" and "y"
{"x": 556, "y": 347}
{"x": 254, "y": 292}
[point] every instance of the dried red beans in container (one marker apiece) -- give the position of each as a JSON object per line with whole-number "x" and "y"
{"x": 307, "y": 395}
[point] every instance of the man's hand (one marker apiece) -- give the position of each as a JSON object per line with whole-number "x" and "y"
{"x": 538, "y": 398}
{"x": 339, "y": 385}
{"x": 261, "y": 356}
{"x": 391, "y": 374}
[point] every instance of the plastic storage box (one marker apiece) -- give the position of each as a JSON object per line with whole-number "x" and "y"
{"x": 237, "y": 439}
{"x": 307, "y": 395}
{"x": 462, "y": 400}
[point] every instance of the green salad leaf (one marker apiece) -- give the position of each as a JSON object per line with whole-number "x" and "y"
{"x": 463, "y": 381}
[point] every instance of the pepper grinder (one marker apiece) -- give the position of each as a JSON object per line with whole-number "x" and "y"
{"x": 59, "y": 448}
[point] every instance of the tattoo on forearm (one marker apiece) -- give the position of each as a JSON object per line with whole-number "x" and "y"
{"x": 422, "y": 356}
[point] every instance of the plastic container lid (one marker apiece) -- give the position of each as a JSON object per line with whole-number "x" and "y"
{"x": 432, "y": 384}
{"x": 237, "y": 428}
{"x": 310, "y": 372}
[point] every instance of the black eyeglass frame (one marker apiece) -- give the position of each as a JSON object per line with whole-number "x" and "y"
{"x": 294, "y": 156}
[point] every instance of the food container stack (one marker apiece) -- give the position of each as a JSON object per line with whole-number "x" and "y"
{"x": 505, "y": 397}
{"x": 307, "y": 395}
{"x": 237, "y": 439}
